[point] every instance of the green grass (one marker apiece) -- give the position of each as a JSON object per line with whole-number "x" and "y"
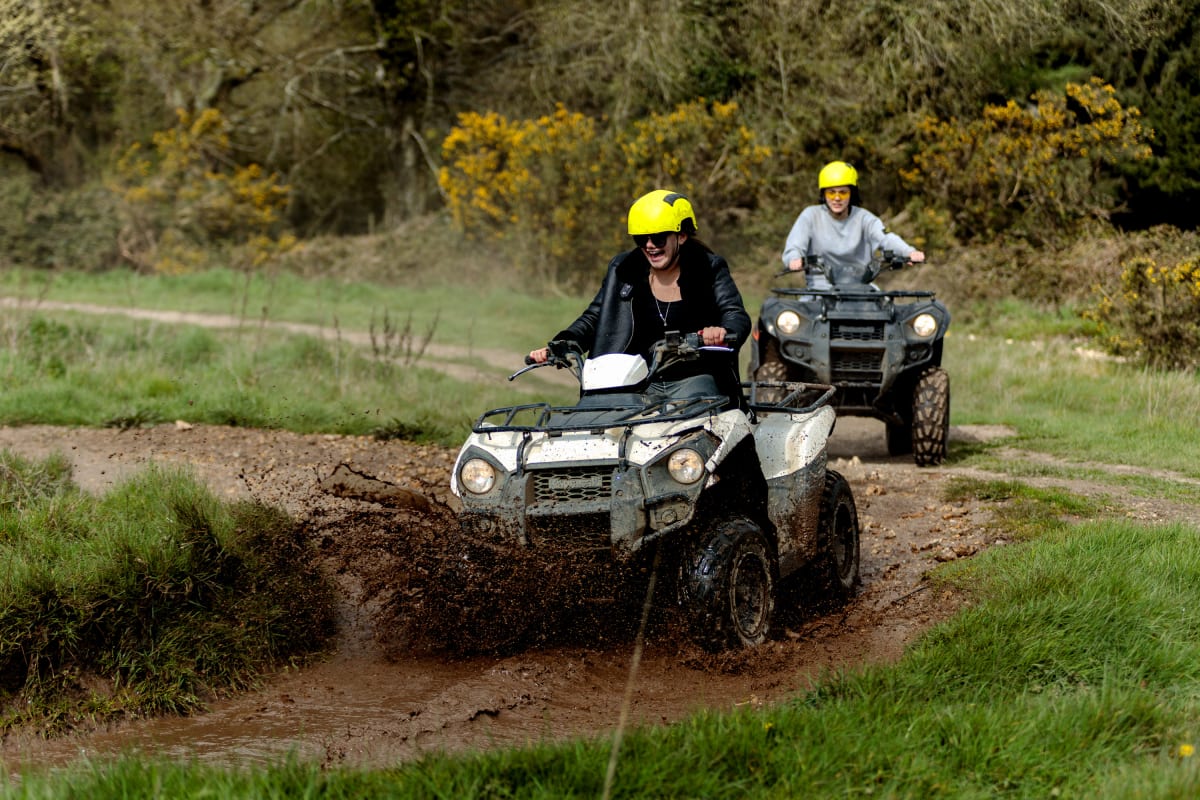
{"x": 1062, "y": 400}
{"x": 1023, "y": 511}
{"x": 464, "y": 314}
{"x": 69, "y": 369}
{"x": 157, "y": 589}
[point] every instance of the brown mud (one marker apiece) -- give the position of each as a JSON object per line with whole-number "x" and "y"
{"x": 379, "y": 510}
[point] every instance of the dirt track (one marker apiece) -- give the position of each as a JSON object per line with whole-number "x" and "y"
{"x": 368, "y": 704}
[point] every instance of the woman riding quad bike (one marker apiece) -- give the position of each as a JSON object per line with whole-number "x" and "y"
{"x": 882, "y": 350}
{"x": 664, "y": 460}
{"x": 646, "y": 478}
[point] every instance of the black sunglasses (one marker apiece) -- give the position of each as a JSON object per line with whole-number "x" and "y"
{"x": 659, "y": 239}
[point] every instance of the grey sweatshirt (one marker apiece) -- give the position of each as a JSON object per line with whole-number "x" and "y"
{"x": 845, "y": 245}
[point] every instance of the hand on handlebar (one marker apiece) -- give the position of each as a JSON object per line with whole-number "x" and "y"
{"x": 538, "y": 356}
{"x": 712, "y": 335}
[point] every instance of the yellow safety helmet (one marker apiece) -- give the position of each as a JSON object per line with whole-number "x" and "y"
{"x": 662, "y": 211}
{"x": 837, "y": 173}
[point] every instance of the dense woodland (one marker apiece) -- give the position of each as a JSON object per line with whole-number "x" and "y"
{"x": 348, "y": 100}
{"x": 147, "y": 134}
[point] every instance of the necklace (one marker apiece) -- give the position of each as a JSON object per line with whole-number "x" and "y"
{"x": 663, "y": 313}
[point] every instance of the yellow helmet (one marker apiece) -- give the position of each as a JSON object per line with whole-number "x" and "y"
{"x": 837, "y": 173}
{"x": 662, "y": 211}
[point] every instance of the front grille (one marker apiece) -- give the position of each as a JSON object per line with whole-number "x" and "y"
{"x": 857, "y": 365}
{"x": 856, "y": 331}
{"x": 570, "y": 535}
{"x": 572, "y": 485}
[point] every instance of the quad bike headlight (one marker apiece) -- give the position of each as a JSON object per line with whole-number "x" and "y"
{"x": 788, "y": 322}
{"x": 686, "y": 465}
{"x": 477, "y": 476}
{"x": 924, "y": 325}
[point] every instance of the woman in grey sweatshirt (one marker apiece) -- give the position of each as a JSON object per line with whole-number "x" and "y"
{"x": 841, "y": 232}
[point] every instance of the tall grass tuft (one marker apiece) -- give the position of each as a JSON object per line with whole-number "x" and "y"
{"x": 157, "y": 592}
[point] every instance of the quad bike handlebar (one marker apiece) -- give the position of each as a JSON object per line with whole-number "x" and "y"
{"x": 673, "y": 348}
{"x": 887, "y": 260}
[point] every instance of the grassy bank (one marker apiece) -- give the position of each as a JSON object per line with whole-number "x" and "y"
{"x": 144, "y": 600}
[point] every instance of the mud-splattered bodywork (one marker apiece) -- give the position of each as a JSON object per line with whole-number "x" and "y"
{"x": 791, "y": 450}
{"x": 584, "y": 479}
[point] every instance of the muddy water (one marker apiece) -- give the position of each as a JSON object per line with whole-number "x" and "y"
{"x": 363, "y": 712}
{"x": 341, "y": 710}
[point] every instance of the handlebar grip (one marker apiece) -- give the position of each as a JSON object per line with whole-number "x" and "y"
{"x": 695, "y": 339}
{"x": 529, "y": 360}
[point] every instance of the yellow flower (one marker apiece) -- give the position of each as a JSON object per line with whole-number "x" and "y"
{"x": 1186, "y": 750}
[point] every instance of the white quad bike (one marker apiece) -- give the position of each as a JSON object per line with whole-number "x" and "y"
{"x": 726, "y": 501}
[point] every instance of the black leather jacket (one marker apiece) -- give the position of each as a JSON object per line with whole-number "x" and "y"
{"x": 705, "y": 283}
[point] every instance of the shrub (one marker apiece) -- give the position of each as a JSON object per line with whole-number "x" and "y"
{"x": 44, "y": 228}
{"x": 186, "y": 202}
{"x": 1035, "y": 170}
{"x": 1153, "y": 314}
{"x": 557, "y": 188}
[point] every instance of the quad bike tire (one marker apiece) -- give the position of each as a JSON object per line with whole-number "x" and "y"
{"x": 841, "y": 553}
{"x": 773, "y": 369}
{"x": 727, "y": 583}
{"x": 931, "y": 417}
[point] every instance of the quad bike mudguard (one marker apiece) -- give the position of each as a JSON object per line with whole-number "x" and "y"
{"x": 791, "y": 450}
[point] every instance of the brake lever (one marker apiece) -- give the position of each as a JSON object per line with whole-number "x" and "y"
{"x": 532, "y": 366}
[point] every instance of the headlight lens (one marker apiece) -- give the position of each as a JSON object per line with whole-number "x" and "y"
{"x": 788, "y": 322}
{"x": 686, "y": 465}
{"x": 924, "y": 325}
{"x": 477, "y": 476}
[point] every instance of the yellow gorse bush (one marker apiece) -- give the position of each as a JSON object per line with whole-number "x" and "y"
{"x": 1037, "y": 167}
{"x": 558, "y": 187}
{"x": 185, "y": 197}
{"x": 1153, "y": 314}
{"x": 700, "y": 149}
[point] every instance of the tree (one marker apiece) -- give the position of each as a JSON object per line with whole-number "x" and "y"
{"x": 51, "y": 73}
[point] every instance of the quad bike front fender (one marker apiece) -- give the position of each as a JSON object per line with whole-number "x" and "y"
{"x": 792, "y": 451}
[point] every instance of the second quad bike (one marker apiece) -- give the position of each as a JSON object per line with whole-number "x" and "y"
{"x": 882, "y": 350}
{"x": 724, "y": 499}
